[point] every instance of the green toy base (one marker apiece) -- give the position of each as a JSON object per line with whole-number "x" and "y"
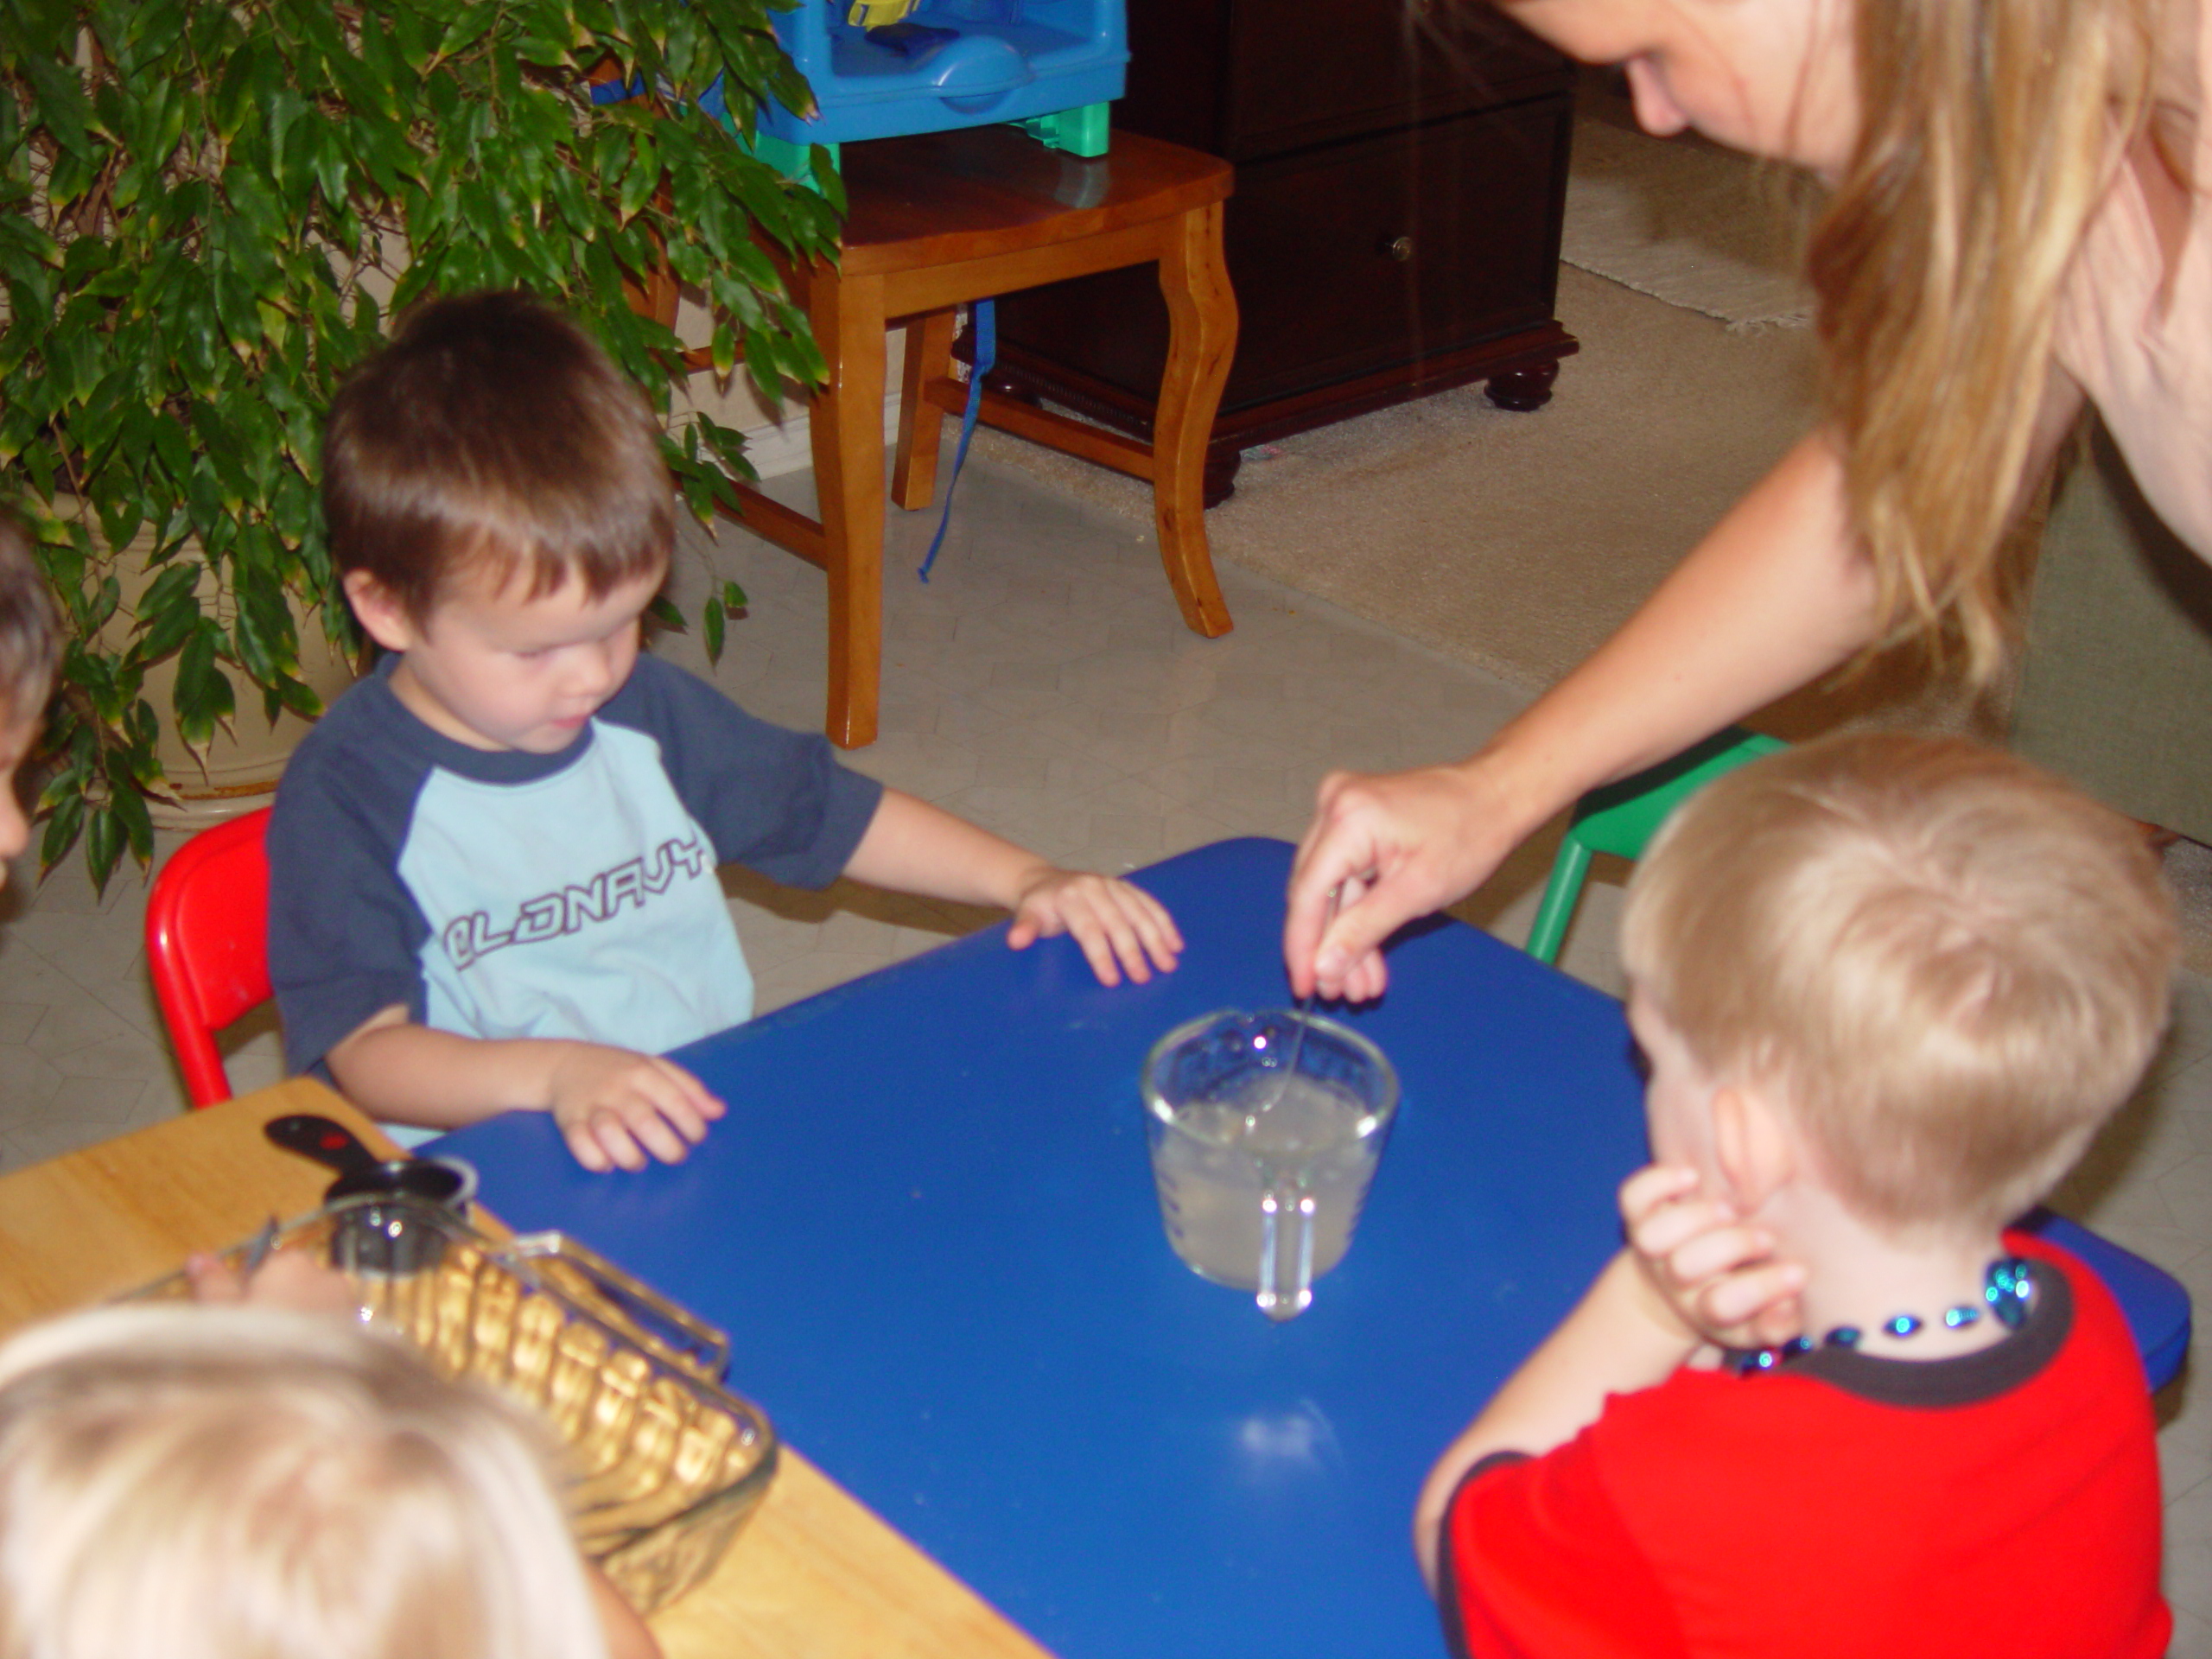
{"x": 1080, "y": 132}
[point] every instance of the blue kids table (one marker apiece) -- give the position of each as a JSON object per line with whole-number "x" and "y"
{"x": 929, "y": 1225}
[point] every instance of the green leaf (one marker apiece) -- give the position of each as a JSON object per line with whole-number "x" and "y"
{"x": 103, "y": 843}
{"x": 761, "y": 363}
{"x": 467, "y": 29}
{"x": 169, "y": 614}
{"x": 203, "y": 691}
{"x": 643, "y": 178}
{"x": 663, "y": 610}
{"x": 129, "y": 806}
{"x": 543, "y": 51}
{"x": 62, "y": 829}
{"x": 826, "y": 175}
{"x": 711, "y": 625}
{"x": 60, "y": 105}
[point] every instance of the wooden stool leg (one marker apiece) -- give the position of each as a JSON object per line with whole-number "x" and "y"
{"x": 1201, "y": 338}
{"x": 929, "y": 359}
{"x": 846, "y": 420}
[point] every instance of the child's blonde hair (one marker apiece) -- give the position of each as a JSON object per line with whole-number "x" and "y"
{"x": 233, "y": 1483}
{"x": 1949, "y": 966}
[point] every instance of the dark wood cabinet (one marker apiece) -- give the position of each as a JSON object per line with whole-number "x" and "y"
{"x": 1400, "y": 175}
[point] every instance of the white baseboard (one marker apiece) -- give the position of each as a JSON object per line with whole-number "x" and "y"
{"x": 776, "y": 450}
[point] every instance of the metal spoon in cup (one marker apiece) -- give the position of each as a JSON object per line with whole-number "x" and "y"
{"x": 1302, "y": 1018}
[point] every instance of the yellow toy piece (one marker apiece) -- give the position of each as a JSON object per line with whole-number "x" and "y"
{"x": 876, "y": 14}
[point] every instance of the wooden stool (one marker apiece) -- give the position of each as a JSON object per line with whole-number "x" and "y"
{"x": 941, "y": 218}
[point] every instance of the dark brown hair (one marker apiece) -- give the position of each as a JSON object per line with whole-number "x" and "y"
{"x": 29, "y": 640}
{"x": 492, "y": 434}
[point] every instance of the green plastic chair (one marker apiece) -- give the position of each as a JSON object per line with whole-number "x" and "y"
{"x": 1621, "y": 819}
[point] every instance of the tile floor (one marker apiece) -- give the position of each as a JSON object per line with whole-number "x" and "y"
{"x": 1043, "y": 685}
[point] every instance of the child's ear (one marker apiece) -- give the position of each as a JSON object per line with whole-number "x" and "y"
{"x": 1752, "y": 1147}
{"x": 378, "y": 611}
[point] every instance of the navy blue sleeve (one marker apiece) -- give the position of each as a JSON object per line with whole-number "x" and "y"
{"x": 775, "y": 800}
{"x": 344, "y": 935}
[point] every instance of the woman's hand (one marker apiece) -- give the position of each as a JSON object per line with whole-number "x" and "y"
{"x": 1393, "y": 846}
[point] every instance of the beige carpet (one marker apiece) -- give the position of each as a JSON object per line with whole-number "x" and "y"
{"x": 1519, "y": 542}
{"x": 1683, "y": 220}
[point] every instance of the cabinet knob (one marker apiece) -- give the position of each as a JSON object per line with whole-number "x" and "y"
{"x": 1400, "y": 248}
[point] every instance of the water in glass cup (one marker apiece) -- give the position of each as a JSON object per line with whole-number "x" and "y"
{"x": 1210, "y": 1179}
{"x": 1262, "y": 1175}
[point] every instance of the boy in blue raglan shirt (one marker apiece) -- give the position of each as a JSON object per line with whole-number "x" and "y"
{"x": 492, "y": 864}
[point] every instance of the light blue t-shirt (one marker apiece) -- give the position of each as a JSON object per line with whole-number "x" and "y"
{"x": 503, "y": 894}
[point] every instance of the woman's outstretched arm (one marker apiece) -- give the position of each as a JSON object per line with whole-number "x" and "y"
{"x": 1778, "y": 594}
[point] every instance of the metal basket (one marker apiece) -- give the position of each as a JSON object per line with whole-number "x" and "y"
{"x": 666, "y": 1466}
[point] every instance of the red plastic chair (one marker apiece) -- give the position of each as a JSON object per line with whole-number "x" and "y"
{"x": 207, "y": 944}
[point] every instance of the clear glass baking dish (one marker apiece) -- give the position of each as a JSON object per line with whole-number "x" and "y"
{"x": 666, "y": 1466}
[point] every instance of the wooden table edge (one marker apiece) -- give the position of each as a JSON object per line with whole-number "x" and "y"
{"x": 816, "y": 1572}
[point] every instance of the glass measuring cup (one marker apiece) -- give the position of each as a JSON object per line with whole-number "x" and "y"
{"x": 1265, "y": 1201}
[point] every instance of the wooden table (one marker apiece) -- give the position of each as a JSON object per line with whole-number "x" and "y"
{"x": 816, "y": 1575}
{"x": 941, "y": 218}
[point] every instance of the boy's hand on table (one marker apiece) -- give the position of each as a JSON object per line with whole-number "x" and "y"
{"x": 1717, "y": 1273}
{"x": 1121, "y": 929}
{"x": 615, "y": 1106}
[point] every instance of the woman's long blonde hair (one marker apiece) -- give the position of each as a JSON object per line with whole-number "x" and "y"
{"x": 1990, "y": 130}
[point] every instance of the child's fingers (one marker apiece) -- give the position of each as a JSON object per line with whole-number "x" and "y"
{"x": 1095, "y": 936}
{"x": 1710, "y": 1254}
{"x": 1129, "y": 935}
{"x": 583, "y": 1145}
{"x": 1070, "y": 903}
{"x": 213, "y": 1280}
{"x": 1156, "y": 932}
{"x": 1153, "y": 917}
{"x": 1652, "y": 1185}
{"x": 293, "y": 1279}
{"x": 617, "y": 1138}
{"x": 1670, "y": 1224}
{"x": 647, "y": 1124}
{"x": 1777, "y": 1322}
{"x": 684, "y": 1101}
{"x": 1141, "y": 933}
{"x": 1747, "y": 1297}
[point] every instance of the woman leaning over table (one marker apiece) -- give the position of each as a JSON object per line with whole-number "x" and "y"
{"x": 2014, "y": 227}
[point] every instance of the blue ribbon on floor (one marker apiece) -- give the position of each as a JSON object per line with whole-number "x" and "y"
{"x": 985, "y": 324}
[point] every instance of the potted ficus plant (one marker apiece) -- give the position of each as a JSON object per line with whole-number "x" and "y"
{"x": 209, "y": 209}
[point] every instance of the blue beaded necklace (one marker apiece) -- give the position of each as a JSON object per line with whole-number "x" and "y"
{"x": 2005, "y": 1289}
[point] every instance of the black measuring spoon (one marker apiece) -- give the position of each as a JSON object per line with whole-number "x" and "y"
{"x": 447, "y": 1181}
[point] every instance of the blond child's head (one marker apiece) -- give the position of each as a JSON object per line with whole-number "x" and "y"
{"x": 1947, "y": 966}
{"x": 201, "y": 1483}
{"x": 493, "y": 439}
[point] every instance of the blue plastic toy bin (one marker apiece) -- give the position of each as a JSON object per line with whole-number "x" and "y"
{"x": 952, "y": 63}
